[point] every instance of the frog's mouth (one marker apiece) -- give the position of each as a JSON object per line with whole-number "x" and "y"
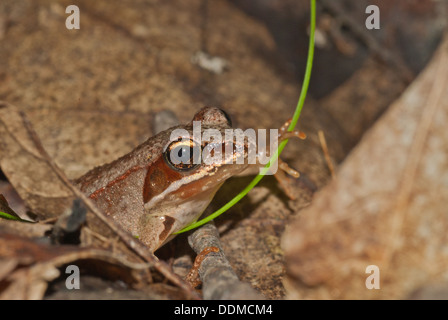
{"x": 205, "y": 181}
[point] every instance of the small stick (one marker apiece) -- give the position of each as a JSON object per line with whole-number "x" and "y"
{"x": 137, "y": 246}
{"x": 324, "y": 146}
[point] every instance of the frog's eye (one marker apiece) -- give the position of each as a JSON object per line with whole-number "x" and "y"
{"x": 183, "y": 154}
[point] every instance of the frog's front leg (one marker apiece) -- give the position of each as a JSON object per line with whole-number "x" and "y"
{"x": 280, "y": 175}
{"x": 169, "y": 213}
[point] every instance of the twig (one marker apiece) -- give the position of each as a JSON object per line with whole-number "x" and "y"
{"x": 219, "y": 280}
{"x": 132, "y": 243}
{"x": 323, "y": 144}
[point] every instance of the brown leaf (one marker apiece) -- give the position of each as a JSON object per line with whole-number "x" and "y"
{"x": 26, "y": 267}
{"x": 27, "y": 143}
{"x": 24, "y": 229}
{"x": 22, "y": 162}
{"x": 90, "y": 95}
{"x": 387, "y": 206}
{"x": 4, "y": 207}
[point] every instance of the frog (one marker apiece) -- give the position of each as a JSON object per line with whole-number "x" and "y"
{"x": 153, "y": 197}
{"x": 150, "y": 196}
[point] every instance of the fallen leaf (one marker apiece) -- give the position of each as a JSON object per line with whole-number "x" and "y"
{"x": 387, "y": 206}
{"x": 22, "y": 141}
{"x": 26, "y": 267}
{"x": 28, "y": 171}
{"x": 90, "y": 96}
{"x": 6, "y": 211}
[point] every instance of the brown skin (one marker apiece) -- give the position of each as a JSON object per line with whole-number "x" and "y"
{"x": 151, "y": 198}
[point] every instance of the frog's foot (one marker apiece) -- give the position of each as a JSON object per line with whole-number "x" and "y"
{"x": 284, "y": 134}
{"x": 284, "y": 127}
{"x": 285, "y": 168}
{"x": 284, "y": 182}
{"x": 283, "y": 131}
{"x": 193, "y": 276}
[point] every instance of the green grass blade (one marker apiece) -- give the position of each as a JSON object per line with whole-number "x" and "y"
{"x": 295, "y": 119}
{"x": 8, "y": 216}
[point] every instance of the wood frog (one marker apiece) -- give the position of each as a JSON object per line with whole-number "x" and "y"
{"x": 152, "y": 197}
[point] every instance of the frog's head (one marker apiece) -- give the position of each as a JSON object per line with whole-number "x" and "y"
{"x": 196, "y": 160}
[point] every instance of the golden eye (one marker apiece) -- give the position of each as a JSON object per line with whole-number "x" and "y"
{"x": 183, "y": 154}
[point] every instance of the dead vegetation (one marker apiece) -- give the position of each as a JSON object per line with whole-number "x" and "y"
{"x": 77, "y": 99}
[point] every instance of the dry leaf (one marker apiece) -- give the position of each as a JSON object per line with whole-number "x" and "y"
{"x": 90, "y": 95}
{"x": 22, "y": 162}
{"x": 23, "y": 142}
{"x": 387, "y": 206}
{"x": 26, "y": 267}
{"x": 4, "y": 207}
